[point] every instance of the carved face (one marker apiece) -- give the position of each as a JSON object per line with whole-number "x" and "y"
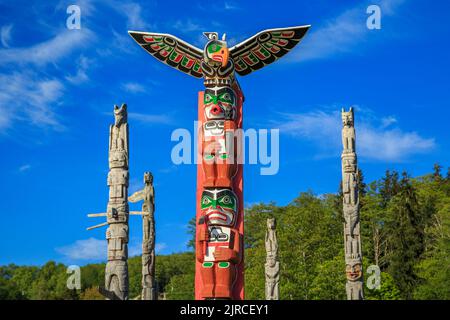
{"x": 219, "y": 206}
{"x": 148, "y": 177}
{"x": 271, "y": 261}
{"x": 347, "y": 117}
{"x": 219, "y": 103}
{"x": 271, "y": 223}
{"x": 120, "y": 114}
{"x": 216, "y": 52}
{"x": 349, "y": 164}
{"x": 353, "y": 270}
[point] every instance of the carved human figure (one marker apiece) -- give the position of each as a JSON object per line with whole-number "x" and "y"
{"x": 117, "y": 238}
{"x": 148, "y": 243}
{"x": 218, "y": 246}
{"x": 348, "y": 131}
{"x": 147, "y": 195}
{"x": 272, "y": 266}
{"x": 352, "y": 248}
{"x": 353, "y": 270}
{"x": 354, "y": 290}
{"x": 219, "y": 154}
{"x": 351, "y": 216}
{"x": 118, "y": 184}
{"x": 116, "y": 280}
{"x": 350, "y": 189}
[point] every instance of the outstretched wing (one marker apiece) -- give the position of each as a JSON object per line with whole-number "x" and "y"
{"x": 265, "y": 47}
{"x": 172, "y": 51}
{"x": 137, "y": 196}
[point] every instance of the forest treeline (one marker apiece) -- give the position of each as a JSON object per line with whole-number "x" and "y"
{"x": 405, "y": 228}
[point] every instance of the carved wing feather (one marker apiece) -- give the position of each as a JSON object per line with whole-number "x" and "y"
{"x": 171, "y": 51}
{"x": 265, "y": 47}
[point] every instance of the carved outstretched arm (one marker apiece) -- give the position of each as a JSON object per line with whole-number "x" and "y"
{"x": 137, "y": 196}
{"x": 201, "y": 237}
{"x": 232, "y": 255}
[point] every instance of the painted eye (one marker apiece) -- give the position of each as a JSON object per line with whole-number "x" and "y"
{"x": 226, "y": 200}
{"x": 208, "y": 98}
{"x": 206, "y": 201}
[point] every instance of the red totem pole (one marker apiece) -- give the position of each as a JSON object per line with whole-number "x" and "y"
{"x": 220, "y": 212}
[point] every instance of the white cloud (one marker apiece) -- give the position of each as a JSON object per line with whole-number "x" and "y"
{"x": 96, "y": 249}
{"x": 135, "y": 247}
{"x": 230, "y": 6}
{"x": 150, "y": 118}
{"x": 120, "y": 42}
{"x": 80, "y": 76}
{"x": 5, "y": 119}
{"x": 89, "y": 249}
{"x": 5, "y": 35}
{"x": 24, "y": 168}
{"x": 341, "y": 34}
{"x": 186, "y": 26}
{"x": 375, "y": 141}
{"x": 133, "y": 13}
{"x": 310, "y": 125}
{"x": 387, "y": 121}
{"x": 392, "y": 144}
{"x": 31, "y": 99}
{"x": 217, "y": 6}
{"x": 49, "y": 51}
{"x": 133, "y": 87}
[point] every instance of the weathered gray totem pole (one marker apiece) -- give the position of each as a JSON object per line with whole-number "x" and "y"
{"x": 149, "y": 291}
{"x": 117, "y": 213}
{"x": 116, "y": 275}
{"x": 352, "y": 239}
{"x": 272, "y": 266}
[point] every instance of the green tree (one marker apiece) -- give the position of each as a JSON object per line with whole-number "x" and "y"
{"x": 181, "y": 287}
{"x": 406, "y": 241}
{"x": 387, "y": 291}
{"x": 434, "y": 269}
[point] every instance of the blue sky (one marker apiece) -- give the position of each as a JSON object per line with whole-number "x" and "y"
{"x": 58, "y": 88}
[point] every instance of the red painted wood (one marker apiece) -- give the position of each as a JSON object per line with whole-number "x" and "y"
{"x": 238, "y": 289}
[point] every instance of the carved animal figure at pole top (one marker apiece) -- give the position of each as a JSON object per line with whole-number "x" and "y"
{"x": 348, "y": 131}
{"x": 217, "y": 63}
{"x": 118, "y": 144}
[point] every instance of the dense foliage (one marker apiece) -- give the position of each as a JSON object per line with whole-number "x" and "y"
{"x": 405, "y": 228}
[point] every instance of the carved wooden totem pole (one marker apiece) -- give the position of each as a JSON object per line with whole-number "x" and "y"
{"x": 352, "y": 239}
{"x": 149, "y": 291}
{"x": 220, "y": 227}
{"x": 116, "y": 273}
{"x": 272, "y": 266}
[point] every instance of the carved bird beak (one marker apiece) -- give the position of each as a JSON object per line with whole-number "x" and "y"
{"x": 225, "y": 56}
{"x": 222, "y": 56}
